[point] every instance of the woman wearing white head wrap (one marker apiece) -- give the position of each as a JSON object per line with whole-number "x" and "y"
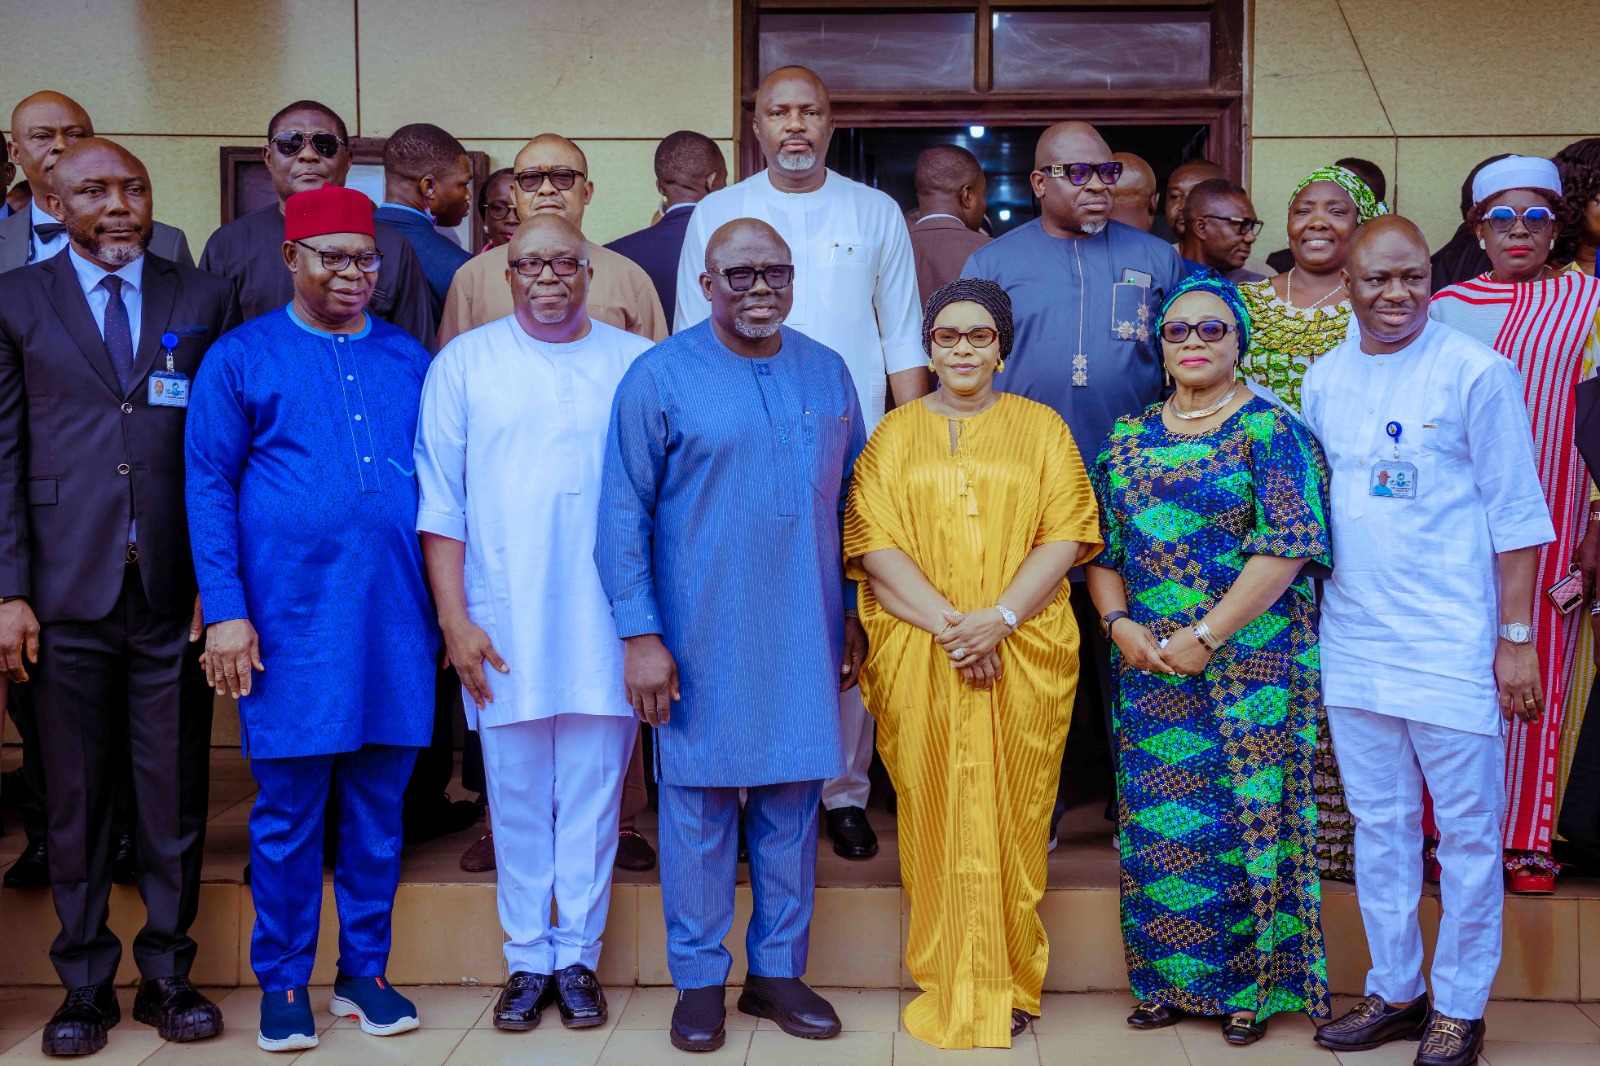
{"x": 1544, "y": 319}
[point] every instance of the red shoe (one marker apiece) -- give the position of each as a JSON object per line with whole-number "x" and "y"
{"x": 1532, "y": 883}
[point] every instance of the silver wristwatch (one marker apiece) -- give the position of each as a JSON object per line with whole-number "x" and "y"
{"x": 1516, "y": 633}
{"x": 1006, "y": 615}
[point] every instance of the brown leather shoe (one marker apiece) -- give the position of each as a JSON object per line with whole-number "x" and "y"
{"x": 479, "y": 858}
{"x": 1451, "y": 1042}
{"x": 1372, "y": 1022}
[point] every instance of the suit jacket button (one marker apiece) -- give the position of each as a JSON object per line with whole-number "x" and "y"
{"x": 127, "y": 408}
{"x": 123, "y": 468}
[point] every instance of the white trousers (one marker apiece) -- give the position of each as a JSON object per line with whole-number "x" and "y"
{"x": 856, "y": 727}
{"x": 1384, "y": 762}
{"x": 555, "y": 789}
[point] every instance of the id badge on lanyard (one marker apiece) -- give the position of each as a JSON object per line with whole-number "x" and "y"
{"x": 169, "y": 387}
{"x": 1394, "y": 478}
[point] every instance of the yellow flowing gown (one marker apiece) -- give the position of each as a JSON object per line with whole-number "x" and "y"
{"x": 976, "y": 772}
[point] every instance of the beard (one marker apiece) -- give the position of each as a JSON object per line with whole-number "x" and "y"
{"x": 789, "y": 161}
{"x": 753, "y": 332}
{"x": 550, "y": 318}
{"x": 105, "y": 251}
{"x": 1089, "y": 229}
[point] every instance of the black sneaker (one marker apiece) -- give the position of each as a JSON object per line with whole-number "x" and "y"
{"x": 699, "y": 1019}
{"x": 79, "y": 1025}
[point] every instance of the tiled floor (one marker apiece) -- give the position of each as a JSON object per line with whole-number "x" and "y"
{"x": 1084, "y": 1030}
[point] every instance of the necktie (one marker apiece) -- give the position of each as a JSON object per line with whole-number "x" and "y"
{"x": 118, "y": 333}
{"x": 49, "y": 231}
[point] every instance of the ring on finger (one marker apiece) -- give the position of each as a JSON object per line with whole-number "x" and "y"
{"x": 959, "y": 653}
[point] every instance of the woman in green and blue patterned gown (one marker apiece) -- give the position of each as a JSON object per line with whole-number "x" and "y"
{"x": 1213, "y": 512}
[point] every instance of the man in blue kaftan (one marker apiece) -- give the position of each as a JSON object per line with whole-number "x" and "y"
{"x": 302, "y": 513}
{"x": 726, "y": 472}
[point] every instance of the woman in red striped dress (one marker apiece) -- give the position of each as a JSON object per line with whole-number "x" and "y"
{"x": 1544, "y": 319}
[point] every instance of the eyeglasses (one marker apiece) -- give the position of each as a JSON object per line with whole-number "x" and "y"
{"x": 289, "y": 143}
{"x": 563, "y": 178}
{"x": 977, "y": 336}
{"x": 740, "y": 279}
{"x": 1211, "y": 330}
{"x": 1242, "y": 226}
{"x": 499, "y": 209}
{"x": 563, "y": 266}
{"x": 336, "y": 261}
{"x": 1536, "y": 219}
{"x": 1079, "y": 173}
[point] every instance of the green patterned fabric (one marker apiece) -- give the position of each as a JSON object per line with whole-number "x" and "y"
{"x": 1220, "y": 893}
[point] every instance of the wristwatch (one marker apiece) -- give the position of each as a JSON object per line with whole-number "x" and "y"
{"x": 1516, "y": 633}
{"x": 1112, "y": 619}
{"x": 1007, "y": 615}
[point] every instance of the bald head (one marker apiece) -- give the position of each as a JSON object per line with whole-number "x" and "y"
{"x": 1183, "y": 179}
{"x": 545, "y": 161}
{"x": 42, "y": 126}
{"x": 101, "y": 192}
{"x": 542, "y": 230}
{"x": 1071, "y": 142}
{"x": 785, "y": 78}
{"x": 1387, "y": 276}
{"x": 745, "y": 236}
{"x": 1133, "y": 199}
{"x": 793, "y": 122}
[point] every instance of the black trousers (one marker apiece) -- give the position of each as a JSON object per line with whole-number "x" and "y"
{"x": 129, "y": 678}
{"x": 1092, "y": 708}
{"x": 24, "y": 715}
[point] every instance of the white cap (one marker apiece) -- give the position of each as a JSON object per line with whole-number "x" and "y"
{"x": 1515, "y": 172}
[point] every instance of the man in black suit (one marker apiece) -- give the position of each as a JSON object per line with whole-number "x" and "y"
{"x": 688, "y": 166}
{"x": 98, "y": 601}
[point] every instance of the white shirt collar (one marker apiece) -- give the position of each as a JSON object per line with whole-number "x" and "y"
{"x": 938, "y": 214}
{"x": 37, "y": 215}
{"x": 674, "y": 207}
{"x": 92, "y": 274}
{"x": 828, "y": 179}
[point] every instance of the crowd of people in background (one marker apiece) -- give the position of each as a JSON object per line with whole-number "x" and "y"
{"x": 791, "y": 476}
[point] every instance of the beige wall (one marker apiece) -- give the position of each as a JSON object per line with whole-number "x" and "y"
{"x": 175, "y": 80}
{"x": 1424, "y": 88}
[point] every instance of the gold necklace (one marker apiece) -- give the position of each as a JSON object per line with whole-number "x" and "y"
{"x": 1288, "y": 285}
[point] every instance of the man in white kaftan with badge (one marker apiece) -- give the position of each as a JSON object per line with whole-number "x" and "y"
{"x": 510, "y": 445}
{"x": 1436, "y": 514}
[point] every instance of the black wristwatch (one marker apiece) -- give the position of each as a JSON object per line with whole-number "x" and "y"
{"x": 1111, "y": 619}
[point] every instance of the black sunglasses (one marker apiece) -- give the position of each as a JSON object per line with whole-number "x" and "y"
{"x": 368, "y": 262}
{"x": 1242, "y": 226}
{"x": 563, "y": 266}
{"x": 740, "y": 279}
{"x": 1079, "y": 173}
{"x": 1211, "y": 330}
{"x": 563, "y": 178}
{"x": 289, "y": 143}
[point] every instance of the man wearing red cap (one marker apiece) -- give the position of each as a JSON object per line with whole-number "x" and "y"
{"x": 302, "y": 512}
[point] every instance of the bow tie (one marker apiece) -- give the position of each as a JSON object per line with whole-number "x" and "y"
{"x": 49, "y": 231}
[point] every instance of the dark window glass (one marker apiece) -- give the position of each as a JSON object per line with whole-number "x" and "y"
{"x": 922, "y": 52}
{"x": 1087, "y": 49}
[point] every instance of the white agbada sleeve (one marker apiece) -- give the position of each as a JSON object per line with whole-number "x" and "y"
{"x": 440, "y": 454}
{"x": 896, "y": 300}
{"x": 1501, "y": 449}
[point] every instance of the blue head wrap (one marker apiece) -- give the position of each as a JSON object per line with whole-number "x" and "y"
{"x": 1220, "y": 287}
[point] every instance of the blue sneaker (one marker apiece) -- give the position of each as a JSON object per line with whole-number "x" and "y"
{"x": 374, "y": 1003}
{"x": 286, "y": 1023}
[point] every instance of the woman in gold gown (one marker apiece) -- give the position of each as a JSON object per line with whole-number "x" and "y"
{"x": 967, "y": 511}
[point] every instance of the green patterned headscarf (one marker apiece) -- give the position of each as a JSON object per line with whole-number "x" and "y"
{"x": 1368, "y": 206}
{"x": 1224, "y": 290}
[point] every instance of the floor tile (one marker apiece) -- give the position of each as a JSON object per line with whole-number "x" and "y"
{"x": 651, "y": 1008}
{"x": 544, "y": 1046}
{"x": 635, "y": 1047}
{"x": 1094, "y": 1047}
{"x": 909, "y": 1051}
{"x": 11, "y": 1037}
{"x": 27, "y": 1006}
{"x": 769, "y": 1047}
{"x": 1541, "y": 1023}
{"x": 420, "y": 1047}
{"x": 1592, "y": 1010}
{"x": 1399, "y": 1053}
{"x": 1085, "y": 1013}
{"x": 1207, "y": 1048}
{"x": 442, "y": 1006}
{"x": 617, "y": 1000}
{"x": 235, "y": 1046}
{"x": 860, "y": 1010}
{"x": 1512, "y": 1053}
{"x": 129, "y": 1044}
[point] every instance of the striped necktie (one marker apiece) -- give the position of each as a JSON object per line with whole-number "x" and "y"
{"x": 118, "y": 332}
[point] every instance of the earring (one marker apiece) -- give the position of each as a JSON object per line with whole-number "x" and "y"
{"x": 1482, "y": 244}
{"x": 1166, "y": 376}
{"x": 999, "y": 365}
{"x": 931, "y": 366}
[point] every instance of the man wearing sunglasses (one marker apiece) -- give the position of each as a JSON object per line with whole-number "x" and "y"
{"x": 308, "y": 147}
{"x": 855, "y": 290}
{"x": 1220, "y": 228}
{"x": 551, "y": 177}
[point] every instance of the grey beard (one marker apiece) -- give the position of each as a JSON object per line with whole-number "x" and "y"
{"x": 797, "y": 162}
{"x": 1089, "y": 229}
{"x": 755, "y": 333}
{"x": 106, "y": 252}
{"x": 550, "y": 318}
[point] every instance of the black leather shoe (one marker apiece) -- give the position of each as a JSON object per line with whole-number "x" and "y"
{"x": 580, "y": 997}
{"x": 124, "y": 867}
{"x": 1372, "y": 1023}
{"x": 1241, "y": 1031}
{"x": 32, "y": 868}
{"x": 1019, "y": 1021}
{"x": 744, "y": 841}
{"x": 634, "y": 851}
{"x": 791, "y": 1005}
{"x": 441, "y": 819}
{"x": 698, "y": 1019}
{"x": 177, "y": 1009}
{"x": 1451, "y": 1042}
{"x": 523, "y": 999}
{"x": 1152, "y": 1015}
{"x": 14, "y": 790}
{"x": 851, "y": 833}
{"x": 79, "y": 1025}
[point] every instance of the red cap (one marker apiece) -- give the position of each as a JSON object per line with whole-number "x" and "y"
{"x": 330, "y": 209}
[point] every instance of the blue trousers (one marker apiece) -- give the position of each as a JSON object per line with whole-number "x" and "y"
{"x": 699, "y": 831}
{"x": 286, "y": 848}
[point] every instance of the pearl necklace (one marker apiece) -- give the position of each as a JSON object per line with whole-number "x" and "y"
{"x": 1288, "y": 285}
{"x": 1190, "y": 416}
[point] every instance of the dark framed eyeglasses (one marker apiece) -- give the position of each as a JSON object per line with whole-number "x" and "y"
{"x": 499, "y": 209}
{"x": 1536, "y": 219}
{"x": 562, "y": 178}
{"x": 740, "y": 279}
{"x": 563, "y": 266}
{"x": 367, "y": 262}
{"x": 1242, "y": 226}
{"x": 1080, "y": 173}
{"x": 1211, "y": 330}
{"x": 289, "y": 143}
{"x": 977, "y": 336}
